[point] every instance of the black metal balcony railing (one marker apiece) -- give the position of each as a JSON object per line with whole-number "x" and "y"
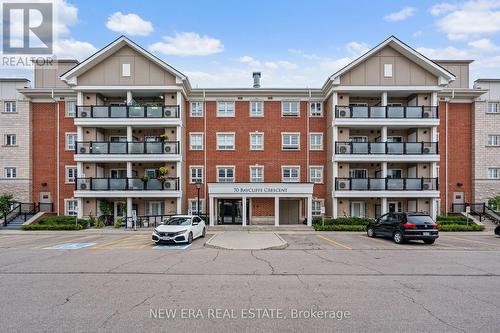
{"x": 126, "y": 184}
{"x": 118, "y": 111}
{"x": 389, "y": 148}
{"x": 143, "y": 147}
{"x": 386, "y": 184}
{"x": 408, "y": 112}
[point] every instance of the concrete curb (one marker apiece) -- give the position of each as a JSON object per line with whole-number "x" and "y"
{"x": 281, "y": 246}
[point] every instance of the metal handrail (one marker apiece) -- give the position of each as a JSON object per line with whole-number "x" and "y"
{"x": 127, "y": 111}
{"x": 408, "y": 112}
{"x": 127, "y": 184}
{"x": 386, "y": 184}
{"x": 96, "y": 147}
{"x": 348, "y": 148}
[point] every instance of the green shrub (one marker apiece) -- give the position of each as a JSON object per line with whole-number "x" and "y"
{"x": 461, "y": 227}
{"x": 339, "y": 227}
{"x": 451, "y": 218}
{"x": 62, "y": 220}
{"x": 118, "y": 223}
{"x": 363, "y": 221}
{"x": 52, "y": 226}
{"x": 97, "y": 223}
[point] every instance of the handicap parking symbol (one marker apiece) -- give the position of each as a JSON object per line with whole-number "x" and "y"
{"x": 70, "y": 246}
{"x": 172, "y": 246}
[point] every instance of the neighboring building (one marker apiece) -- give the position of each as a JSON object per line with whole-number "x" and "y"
{"x": 486, "y": 176}
{"x": 15, "y": 133}
{"x": 369, "y": 141}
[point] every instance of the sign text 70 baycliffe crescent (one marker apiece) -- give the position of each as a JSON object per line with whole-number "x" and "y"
{"x": 260, "y": 190}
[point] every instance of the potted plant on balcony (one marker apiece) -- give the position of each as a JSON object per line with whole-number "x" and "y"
{"x": 145, "y": 179}
{"x": 163, "y": 137}
{"x": 162, "y": 172}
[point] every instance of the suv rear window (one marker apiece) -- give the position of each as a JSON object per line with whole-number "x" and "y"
{"x": 420, "y": 219}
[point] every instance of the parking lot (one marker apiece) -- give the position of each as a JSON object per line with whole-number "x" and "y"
{"x": 111, "y": 281}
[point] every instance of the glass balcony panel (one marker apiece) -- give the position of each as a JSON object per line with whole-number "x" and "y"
{"x": 413, "y": 148}
{"x": 136, "y": 184}
{"x": 413, "y": 184}
{"x": 136, "y": 112}
{"x": 414, "y": 112}
{"x": 359, "y": 184}
{"x": 395, "y": 148}
{"x": 100, "y": 111}
{"x": 118, "y": 112}
{"x": 154, "y": 148}
{"x": 136, "y": 148}
{"x": 377, "y": 147}
{"x": 117, "y": 147}
{"x": 118, "y": 184}
{"x": 395, "y": 112}
{"x": 360, "y": 147}
{"x": 359, "y": 112}
{"x": 154, "y": 184}
{"x": 395, "y": 184}
{"x": 99, "y": 148}
{"x": 99, "y": 184}
{"x": 153, "y": 111}
{"x": 377, "y": 112}
{"x": 377, "y": 184}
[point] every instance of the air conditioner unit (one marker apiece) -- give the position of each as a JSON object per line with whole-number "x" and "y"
{"x": 427, "y": 185}
{"x": 168, "y": 113}
{"x": 427, "y": 114}
{"x": 83, "y": 114}
{"x": 167, "y": 149}
{"x": 167, "y": 185}
{"x": 427, "y": 150}
{"x": 343, "y": 184}
{"x": 83, "y": 150}
{"x": 343, "y": 149}
{"x": 344, "y": 112}
{"x": 83, "y": 186}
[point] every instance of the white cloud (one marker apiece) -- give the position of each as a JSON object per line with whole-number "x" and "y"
{"x": 250, "y": 61}
{"x": 417, "y": 34}
{"x": 188, "y": 44}
{"x": 280, "y": 64}
{"x": 448, "y": 52}
{"x": 357, "y": 48}
{"x": 484, "y": 44}
{"x": 129, "y": 24}
{"x": 66, "y": 16}
{"x": 402, "y": 15}
{"x": 73, "y": 49}
{"x": 469, "y": 19}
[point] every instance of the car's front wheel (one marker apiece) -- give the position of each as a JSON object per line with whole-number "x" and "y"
{"x": 190, "y": 238}
{"x": 397, "y": 237}
{"x": 429, "y": 241}
{"x": 204, "y": 232}
{"x": 497, "y": 231}
{"x": 370, "y": 232}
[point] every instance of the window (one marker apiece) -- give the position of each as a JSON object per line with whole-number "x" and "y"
{"x": 257, "y": 174}
{"x": 196, "y": 141}
{"x": 256, "y": 141}
{"x": 70, "y": 174}
{"x": 316, "y": 207}
{"x": 195, "y": 174}
{"x": 358, "y": 173}
{"x": 493, "y": 173}
{"x": 493, "y": 140}
{"x": 315, "y": 109}
{"x": 10, "y": 172}
{"x": 394, "y": 173}
{"x": 70, "y": 141}
{"x": 257, "y": 109}
{"x": 290, "y": 109}
{"x": 225, "y": 109}
{"x": 10, "y": 140}
{"x": 358, "y": 139}
{"x": 225, "y": 174}
{"x": 290, "y": 174}
{"x": 316, "y": 141}
{"x": 70, "y": 207}
{"x": 125, "y": 70}
{"x": 193, "y": 206}
{"x": 493, "y": 107}
{"x": 225, "y": 141}
{"x": 290, "y": 141}
{"x": 9, "y": 106}
{"x": 316, "y": 174}
{"x": 70, "y": 109}
{"x": 196, "y": 109}
{"x": 387, "y": 70}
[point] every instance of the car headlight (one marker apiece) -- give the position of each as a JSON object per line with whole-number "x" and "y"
{"x": 180, "y": 232}
{"x": 156, "y": 232}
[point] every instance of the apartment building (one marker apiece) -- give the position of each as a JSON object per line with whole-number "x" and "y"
{"x": 15, "y": 133}
{"x": 126, "y": 128}
{"x": 486, "y": 149}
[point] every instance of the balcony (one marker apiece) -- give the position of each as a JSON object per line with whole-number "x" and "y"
{"x": 117, "y": 148}
{"x": 387, "y": 148}
{"x": 387, "y": 112}
{"x": 122, "y": 111}
{"x": 386, "y": 184}
{"x": 126, "y": 184}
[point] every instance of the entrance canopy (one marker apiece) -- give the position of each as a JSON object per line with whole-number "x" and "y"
{"x": 259, "y": 190}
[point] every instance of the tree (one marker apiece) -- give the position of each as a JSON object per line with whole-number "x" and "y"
{"x": 6, "y": 203}
{"x": 494, "y": 203}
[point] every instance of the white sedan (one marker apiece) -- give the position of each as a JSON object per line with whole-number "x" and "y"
{"x": 179, "y": 229}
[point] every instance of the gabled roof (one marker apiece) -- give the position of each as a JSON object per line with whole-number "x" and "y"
{"x": 110, "y": 49}
{"x": 405, "y": 50}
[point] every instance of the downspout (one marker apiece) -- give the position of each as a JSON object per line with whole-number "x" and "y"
{"x": 205, "y": 195}
{"x": 57, "y": 153}
{"x": 308, "y": 109}
{"x": 446, "y": 156}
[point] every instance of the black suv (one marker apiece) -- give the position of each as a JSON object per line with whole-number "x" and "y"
{"x": 402, "y": 227}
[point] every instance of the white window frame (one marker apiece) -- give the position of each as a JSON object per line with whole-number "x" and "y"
{"x": 197, "y": 109}
{"x": 67, "y": 178}
{"x": 315, "y": 147}
{"x": 67, "y": 144}
{"x": 496, "y": 108}
{"x": 320, "y": 178}
{"x": 290, "y": 146}
{"x": 321, "y": 202}
{"x": 388, "y": 70}
{"x": 191, "y": 134}
{"x": 284, "y": 180}
{"x": 491, "y": 171}
{"x": 10, "y": 140}
{"x": 226, "y": 167}
{"x": 259, "y": 167}
{"x": 67, "y": 210}
{"x": 192, "y": 180}
{"x": 253, "y": 110}
{"x": 12, "y": 106}
{"x": 225, "y": 146}
{"x": 315, "y": 113}
{"x": 67, "y": 109}
{"x": 495, "y": 140}
{"x": 222, "y": 109}
{"x": 126, "y": 70}
{"x": 194, "y": 203}
{"x": 261, "y": 134}
{"x": 288, "y": 112}
{"x": 10, "y": 172}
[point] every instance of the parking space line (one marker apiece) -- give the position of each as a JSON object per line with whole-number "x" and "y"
{"x": 380, "y": 241}
{"x": 335, "y": 242}
{"x": 109, "y": 244}
{"x": 64, "y": 240}
{"x": 473, "y": 241}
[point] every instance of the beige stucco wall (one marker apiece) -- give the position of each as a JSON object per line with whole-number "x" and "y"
{"x": 371, "y": 71}
{"x": 48, "y": 76}
{"x": 460, "y": 70}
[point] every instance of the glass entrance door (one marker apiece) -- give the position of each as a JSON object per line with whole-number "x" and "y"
{"x": 230, "y": 211}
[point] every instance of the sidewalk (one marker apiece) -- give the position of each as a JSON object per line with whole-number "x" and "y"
{"x": 246, "y": 240}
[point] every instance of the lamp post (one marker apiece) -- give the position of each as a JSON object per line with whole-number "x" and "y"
{"x": 198, "y": 187}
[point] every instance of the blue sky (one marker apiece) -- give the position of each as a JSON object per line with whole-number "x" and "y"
{"x": 219, "y": 43}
